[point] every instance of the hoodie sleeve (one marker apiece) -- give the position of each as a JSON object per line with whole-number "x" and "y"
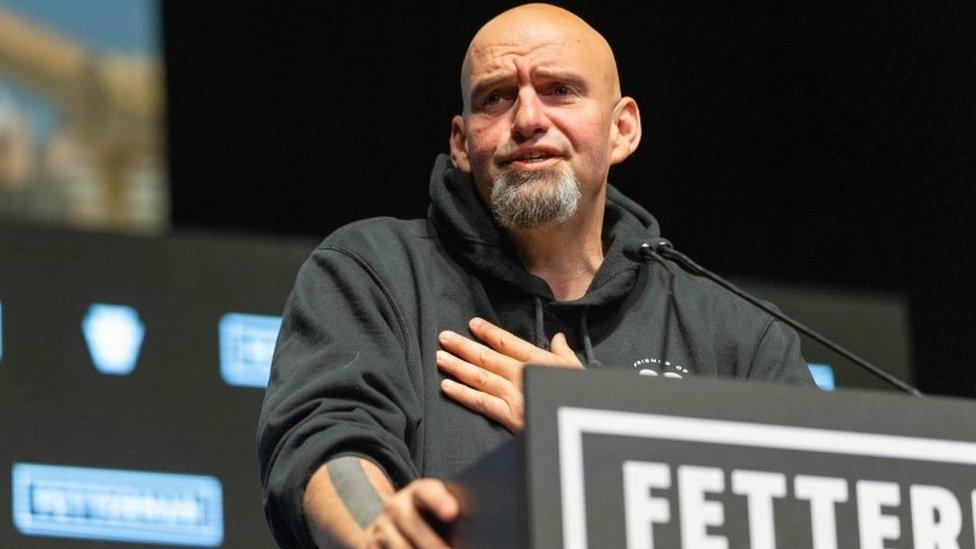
{"x": 777, "y": 356}
{"x": 339, "y": 385}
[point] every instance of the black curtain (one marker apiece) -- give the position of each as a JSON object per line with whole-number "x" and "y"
{"x": 833, "y": 144}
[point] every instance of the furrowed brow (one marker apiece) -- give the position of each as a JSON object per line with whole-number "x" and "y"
{"x": 565, "y": 77}
{"x": 482, "y": 86}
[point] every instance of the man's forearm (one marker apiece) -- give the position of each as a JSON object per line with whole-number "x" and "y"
{"x": 342, "y": 499}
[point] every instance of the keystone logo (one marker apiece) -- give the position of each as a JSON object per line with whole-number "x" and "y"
{"x": 114, "y": 336}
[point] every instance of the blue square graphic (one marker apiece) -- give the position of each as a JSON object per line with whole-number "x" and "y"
{"x": 247, "y": 344}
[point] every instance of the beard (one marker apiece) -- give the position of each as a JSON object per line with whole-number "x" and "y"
{"x": 530, "y": 199}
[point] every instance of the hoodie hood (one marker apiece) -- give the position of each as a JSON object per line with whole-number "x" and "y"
{"x": 466, "y": 226}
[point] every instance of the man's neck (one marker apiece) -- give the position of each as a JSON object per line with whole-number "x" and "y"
{"x": 566, "y": 255}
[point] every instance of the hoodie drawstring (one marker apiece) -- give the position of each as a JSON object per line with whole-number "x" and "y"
{"x": 540, "y": 326}
{"x": 587, "y": 344}
{"x": 540, "y": 332}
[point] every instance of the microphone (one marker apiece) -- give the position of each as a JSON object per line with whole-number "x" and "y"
{"x": 648, "y": 251}
{"x": 662, "y": 248}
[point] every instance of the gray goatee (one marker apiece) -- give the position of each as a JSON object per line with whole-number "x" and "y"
{"x": 529, "y": 199}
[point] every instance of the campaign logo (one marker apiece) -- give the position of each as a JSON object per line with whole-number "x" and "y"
{"x": 823, "y": 376}
{"x": 114, "y": 335}
{"x": 117, "y": 505}
{"x": 246, "y": 346}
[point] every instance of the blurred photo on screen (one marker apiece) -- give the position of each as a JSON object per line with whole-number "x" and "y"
{"x": 81, "y": 114}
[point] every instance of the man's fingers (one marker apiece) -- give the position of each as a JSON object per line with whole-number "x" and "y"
{"x": 560, "y": 347}
{"x": 478, "y": 354}
{"x": 405, "y": 513}
{"x": 491, "y": 377}
{"x": 434, "y": 496}
{"x": 403, "y": 522}
{"x": 502, "y": 340}
{"x": 473, "y": 376}
{"x": 385, "y": 533}
{"x": 510, "y": 416}
{"x": 417, "y": 533}
{"x": 508, "y": 344}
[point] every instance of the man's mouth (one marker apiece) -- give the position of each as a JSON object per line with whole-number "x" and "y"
{"x": 534, "y": 157}
{"x": 531, "y": 159}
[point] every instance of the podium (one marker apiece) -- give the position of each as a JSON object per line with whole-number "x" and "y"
{"x": 616, "y": 460}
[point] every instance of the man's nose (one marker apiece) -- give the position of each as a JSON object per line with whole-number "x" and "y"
{"x": 530, "y": 115}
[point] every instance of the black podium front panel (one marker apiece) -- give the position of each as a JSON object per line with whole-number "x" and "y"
{"x": 618, "y": 461}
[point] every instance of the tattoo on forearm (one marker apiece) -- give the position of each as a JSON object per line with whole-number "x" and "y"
{"x": 355, "y": 490}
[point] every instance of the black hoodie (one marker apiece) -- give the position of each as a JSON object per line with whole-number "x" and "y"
{"x": 354, "y": 369}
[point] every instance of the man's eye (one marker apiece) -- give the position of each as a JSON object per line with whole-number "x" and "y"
{"x": 561, "y": 90}
{"x": 491, "y": 99}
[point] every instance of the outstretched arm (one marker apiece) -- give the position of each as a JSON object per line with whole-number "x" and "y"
{"x": 341, "y": 385}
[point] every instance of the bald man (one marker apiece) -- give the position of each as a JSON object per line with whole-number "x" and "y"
{"x": 400, "y": 356}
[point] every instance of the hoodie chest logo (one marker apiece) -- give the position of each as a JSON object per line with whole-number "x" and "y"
{"x": 655, "y": 367}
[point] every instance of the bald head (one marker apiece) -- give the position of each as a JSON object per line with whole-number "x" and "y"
{"x": 538, "y": 30}
{"x": 542, "y": 107}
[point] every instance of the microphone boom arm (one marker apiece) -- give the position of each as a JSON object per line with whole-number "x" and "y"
{"x": 664, "y": 249}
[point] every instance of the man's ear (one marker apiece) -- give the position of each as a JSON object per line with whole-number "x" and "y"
{"x": 625, "y": 131}
{"x": 459, "y": 151}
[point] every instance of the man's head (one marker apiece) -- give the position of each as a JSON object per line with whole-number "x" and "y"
{"x": 543, "y": 117}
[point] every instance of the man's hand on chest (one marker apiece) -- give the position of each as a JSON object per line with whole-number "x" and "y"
{"x": 487, "y": 375}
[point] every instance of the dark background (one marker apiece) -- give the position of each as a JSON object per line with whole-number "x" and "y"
{"x": 829, "y": 145}
{"x": 830, "y": 148}
{"x": 173, "y": 413}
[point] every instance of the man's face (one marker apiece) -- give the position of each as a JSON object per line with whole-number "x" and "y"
{"x": 539, "y": 108}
